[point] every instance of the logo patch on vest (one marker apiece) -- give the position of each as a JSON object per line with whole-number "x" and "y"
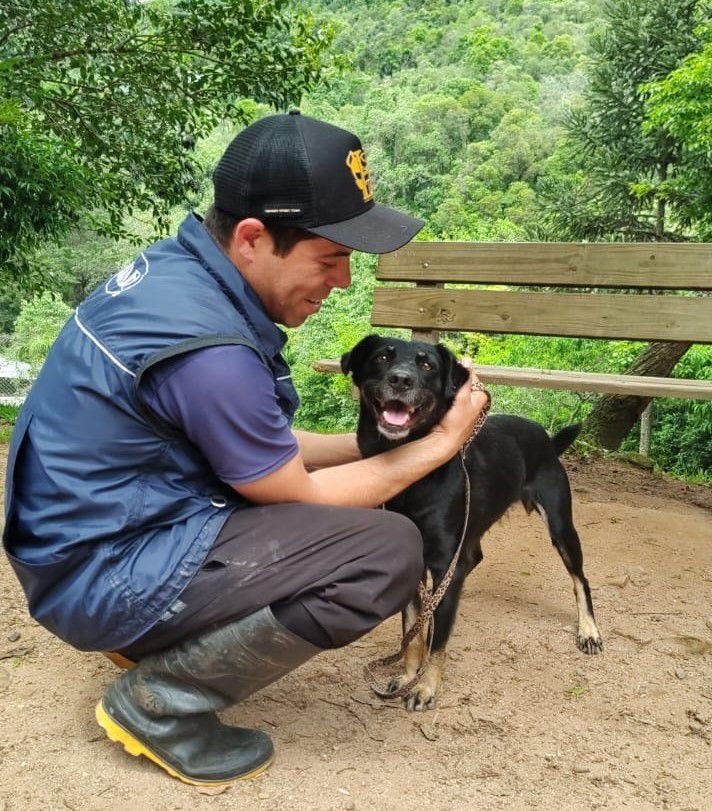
{"x": 127, "y": 277}
{"x": 356, "y": 161}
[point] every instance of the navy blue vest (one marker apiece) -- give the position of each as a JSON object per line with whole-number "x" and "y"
{"x": 109, "y": 513}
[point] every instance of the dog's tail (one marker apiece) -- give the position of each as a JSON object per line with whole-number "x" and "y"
{"x": 565, "y": 437}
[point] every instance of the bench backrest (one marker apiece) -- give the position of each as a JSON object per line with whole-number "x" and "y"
{"x": 623, "y": 290}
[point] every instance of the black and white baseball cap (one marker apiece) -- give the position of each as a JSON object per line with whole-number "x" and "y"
{"x": 299, "y": 171}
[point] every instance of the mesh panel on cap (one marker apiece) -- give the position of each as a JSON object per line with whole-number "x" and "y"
{"x": 281, "y": 176}
{"x": 232, "y": 179}
{"x": 265, "y": 167}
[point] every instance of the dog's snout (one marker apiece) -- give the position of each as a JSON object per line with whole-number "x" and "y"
{"x": 400, "y": 379}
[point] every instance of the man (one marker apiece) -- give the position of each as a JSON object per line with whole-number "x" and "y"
{"x": 158, "y": 503}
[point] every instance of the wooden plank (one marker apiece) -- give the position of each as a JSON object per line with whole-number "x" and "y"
{"x": 328, "y": 365}
{"x": 594, "y": 382}
{"x": 577, "y": 381}
{"x": 582, "y": 315}
{"x": 685, "y": 266}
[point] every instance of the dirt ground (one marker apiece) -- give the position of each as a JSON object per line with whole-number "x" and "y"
{"x": 525, "y": 720}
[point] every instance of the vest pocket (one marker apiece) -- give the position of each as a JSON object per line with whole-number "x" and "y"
{"x": 33, "y": 577}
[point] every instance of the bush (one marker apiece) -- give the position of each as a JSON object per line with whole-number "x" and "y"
{"x": 38, "y": 324}
{"x": 8, "y": 416}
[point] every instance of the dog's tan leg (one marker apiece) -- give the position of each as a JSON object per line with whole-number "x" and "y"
{"x": 415, "y": 653}
{"x": 424, "y": 695}
{"x": 588, "y": 638}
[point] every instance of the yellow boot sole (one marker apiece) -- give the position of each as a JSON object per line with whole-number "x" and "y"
{"x": 119, "y": 660}
{"x": 116, "y": 733}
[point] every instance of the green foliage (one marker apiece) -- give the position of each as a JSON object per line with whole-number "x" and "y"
{"x": 8, "y": 413}
{"x": 38, "y": 324}
{"x": 458, "y": 104}
{"x": 681, "y": 106}
{"x": 483, "y": 47}
{"x": 8, "y": 416}
{"x": 492, "y": 194}
{"x": 10, "y": 302}
{"x": 681, "y": 440}
{"x": 42, "y": 189}
{"x": 101, "y": 104}
{"x": 625, "y": 174}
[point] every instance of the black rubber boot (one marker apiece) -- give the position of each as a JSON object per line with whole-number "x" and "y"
{"x": 164, "y": 708}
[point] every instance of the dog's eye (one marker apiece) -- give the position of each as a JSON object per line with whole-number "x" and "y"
{"x": 423, "y": 362}
{"x": 382, "y": 357}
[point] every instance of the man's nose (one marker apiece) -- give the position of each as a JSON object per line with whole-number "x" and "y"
{"x": 341, "y": 275}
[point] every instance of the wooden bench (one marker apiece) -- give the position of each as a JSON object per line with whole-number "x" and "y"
{"x": 626, "y": 291}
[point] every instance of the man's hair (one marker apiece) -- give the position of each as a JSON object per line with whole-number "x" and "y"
{"x": 221, "y": 225}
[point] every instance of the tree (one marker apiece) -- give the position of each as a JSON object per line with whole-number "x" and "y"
{"x": 624, "y": 188}
{"x": 681, "y": 106}
{"x": 38, "y": 324}
{"x": 101, "y": 103}
{"x": 625, "y": 162}
{"x": 484, "y": 47}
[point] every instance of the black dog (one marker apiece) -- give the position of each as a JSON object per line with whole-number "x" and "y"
{"x": 405, "y": 388}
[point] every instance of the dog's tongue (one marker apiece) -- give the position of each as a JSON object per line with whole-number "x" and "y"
{"x": 396, "y": 414}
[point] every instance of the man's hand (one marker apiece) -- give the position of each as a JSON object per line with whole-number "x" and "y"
{"x": 457, "y": 425}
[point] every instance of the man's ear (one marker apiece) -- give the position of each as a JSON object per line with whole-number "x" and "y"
{"x": 244, "y": 238}
{"x": 454, "y": 374}
{"x": 353, "y": 360}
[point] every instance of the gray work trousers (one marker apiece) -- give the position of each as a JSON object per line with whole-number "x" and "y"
{"x": 330, "y": 574}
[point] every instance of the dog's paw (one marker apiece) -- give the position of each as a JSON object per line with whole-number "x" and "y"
{"x": 423, "y": 696}
{"x": 420, "y": 698}
{"x": 589, "y": 644}
{"x": 397, "y": 683}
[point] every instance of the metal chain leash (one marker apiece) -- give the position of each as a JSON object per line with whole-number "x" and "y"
{"x": 430, "y": 600}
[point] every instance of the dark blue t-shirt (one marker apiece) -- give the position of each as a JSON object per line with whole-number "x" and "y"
{"x": 223, "y": 399}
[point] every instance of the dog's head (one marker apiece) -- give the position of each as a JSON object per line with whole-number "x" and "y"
{"x": 406, "y": 386}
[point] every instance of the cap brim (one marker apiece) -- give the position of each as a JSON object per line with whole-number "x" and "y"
{"x": 378, "y": 230}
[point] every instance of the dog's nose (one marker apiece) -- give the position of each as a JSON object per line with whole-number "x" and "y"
{"x": 401, "y": 380}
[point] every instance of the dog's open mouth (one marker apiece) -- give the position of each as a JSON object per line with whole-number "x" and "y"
{"x": 395, "y": 418}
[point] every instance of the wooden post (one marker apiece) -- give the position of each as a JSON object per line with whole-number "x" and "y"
{"x": 646, "y": 424}
{"x": 430, "y": 336}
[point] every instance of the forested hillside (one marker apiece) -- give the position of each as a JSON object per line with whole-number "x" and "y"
{"x": 491, "y": 119}
{"x": 481, "y": 118}
{"x": 461, "y": 103}
{"x": 460, "y": 106}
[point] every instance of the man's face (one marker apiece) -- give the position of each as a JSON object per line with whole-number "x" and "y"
{"x": 293, "y": 287}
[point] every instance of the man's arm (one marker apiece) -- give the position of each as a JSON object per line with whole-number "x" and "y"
{"x": 326, "y": 450}
{"x": 370, "y": 482}
{"x": 246, "y": 439}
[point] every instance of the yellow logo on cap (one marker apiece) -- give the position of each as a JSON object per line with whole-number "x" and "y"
{"x": 356, "y": 161}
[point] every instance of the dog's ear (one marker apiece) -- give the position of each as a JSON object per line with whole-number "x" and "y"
{"x": 353, "y": 360}
{"x": 454, "y": 374}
